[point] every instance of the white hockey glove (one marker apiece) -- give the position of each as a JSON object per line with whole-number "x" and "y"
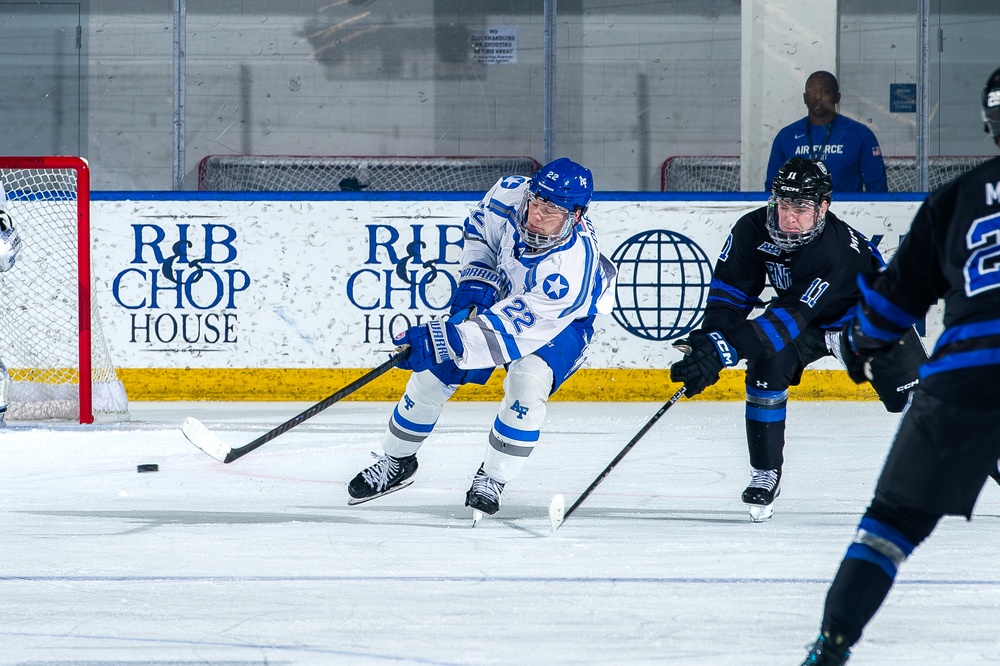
{"x": 10, "y": 242}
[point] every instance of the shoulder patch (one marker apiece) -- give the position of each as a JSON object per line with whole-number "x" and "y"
{"x": 555, "y": 286}
{"x": 770, "y": 248}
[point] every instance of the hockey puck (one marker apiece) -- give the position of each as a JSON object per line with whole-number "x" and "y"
{"x": 147, "y": 468}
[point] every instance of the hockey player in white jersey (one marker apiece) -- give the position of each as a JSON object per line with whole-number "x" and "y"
{"x": 10, "y": 245}
{"x": 532, "y": 270}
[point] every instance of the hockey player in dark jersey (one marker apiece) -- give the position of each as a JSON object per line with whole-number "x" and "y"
{"x": 947, "y": 442}
{"x": 811, "y": 258}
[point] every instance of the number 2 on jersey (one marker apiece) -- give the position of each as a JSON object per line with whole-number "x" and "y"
{"x": 982, "y": 269}
{"x": 519, "y": 315}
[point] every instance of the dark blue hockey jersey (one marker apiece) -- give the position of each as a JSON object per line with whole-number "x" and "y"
{"x": 951, "y": 252}
{"x": 816, "y": 284}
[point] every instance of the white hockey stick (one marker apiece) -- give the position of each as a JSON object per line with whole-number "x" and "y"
{"x": 204, "y": 439}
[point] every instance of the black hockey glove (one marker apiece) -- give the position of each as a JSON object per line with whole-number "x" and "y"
{"x": 705, "y": 356}
{"x": 857, "y": 350}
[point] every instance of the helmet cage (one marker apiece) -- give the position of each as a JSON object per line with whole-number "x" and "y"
{"x": 793, "y": 240}
{"x": 991, "y": 118}
{"x": 991, "y": 105}
{"x": 535, "y": 240}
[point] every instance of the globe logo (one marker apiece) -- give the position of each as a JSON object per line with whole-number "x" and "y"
{"x": 663, "y": 281}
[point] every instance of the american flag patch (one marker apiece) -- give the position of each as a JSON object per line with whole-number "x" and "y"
{"x": 876, "y": 151}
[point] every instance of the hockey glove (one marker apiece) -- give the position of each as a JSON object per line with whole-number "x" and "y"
{"x": 473, "y": 294}
{"x": 431, "y": 344}
{"x": 706, "y": 355}
{"x": 856, "y": 351}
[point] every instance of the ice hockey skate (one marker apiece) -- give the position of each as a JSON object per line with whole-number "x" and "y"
{"x": 386, "y": 476}
{"x": 484, "y": 496}
{"x": 823, "y": 653}
{"x": 760, "y": 494}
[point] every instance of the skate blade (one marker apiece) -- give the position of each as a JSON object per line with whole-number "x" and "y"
{"x": 361, "y": 500}
{"x": 557, "y": 511}
{"x": 761, "y": 513}
{"x": 477, "y": 515}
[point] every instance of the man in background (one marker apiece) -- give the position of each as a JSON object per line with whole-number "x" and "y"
{"x": 849, "y": 150}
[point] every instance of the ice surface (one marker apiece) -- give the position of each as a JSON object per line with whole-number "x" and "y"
{"x": 262, "y": 562}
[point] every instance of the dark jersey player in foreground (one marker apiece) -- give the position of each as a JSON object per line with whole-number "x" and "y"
{"x": 811, "y": 258}
{"x": 947, "y": 443}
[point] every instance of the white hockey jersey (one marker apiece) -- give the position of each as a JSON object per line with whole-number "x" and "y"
{"x": 541, "y": 293}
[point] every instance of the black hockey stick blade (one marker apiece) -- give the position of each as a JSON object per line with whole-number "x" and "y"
{"x": 204, "y": 439}
{"x": 557, "y": 512}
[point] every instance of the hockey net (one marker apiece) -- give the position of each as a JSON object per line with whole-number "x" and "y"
{"x": 52, "y": 341}
{"x": 684, "y": 173}
{"x": 256, "y": 173}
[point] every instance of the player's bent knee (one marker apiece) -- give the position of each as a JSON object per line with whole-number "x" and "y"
{"x": 529, "y": 380}
{"x": 914, "y": 524}
{"x": 425, "y": 387}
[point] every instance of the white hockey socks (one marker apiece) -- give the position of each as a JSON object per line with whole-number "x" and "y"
{"x": 519, "y": 419}
{"x": 416, "y": 413}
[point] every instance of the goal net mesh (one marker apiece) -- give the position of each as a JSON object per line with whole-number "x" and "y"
{"x": 253, "y": 173}
{"x": 40, "y": 303}
{"x": 722, "y": 174}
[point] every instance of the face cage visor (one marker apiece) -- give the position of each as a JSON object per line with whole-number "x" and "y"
{"x": 535, "y": 240}
{"x": 801, "y": 209}
{"x": 991, "y": 118}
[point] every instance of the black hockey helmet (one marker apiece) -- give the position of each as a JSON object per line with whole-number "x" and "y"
{"x": 991, "y": 105}
{"x": 803, "y": 180}
{"x": 797, "y": 193}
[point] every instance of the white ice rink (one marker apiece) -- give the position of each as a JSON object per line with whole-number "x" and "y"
{"x": 262, "y": 562}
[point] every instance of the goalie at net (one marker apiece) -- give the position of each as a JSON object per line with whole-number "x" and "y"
{"x": 10, "y": 245}
{"x": 56, "y": 356}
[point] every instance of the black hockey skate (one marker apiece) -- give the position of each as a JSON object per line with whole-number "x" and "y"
{"x": 759, "y": 496}
{"x": 386, "y": 476}
{"x": 484, "y": 496}
{"x": 823, "y": 653}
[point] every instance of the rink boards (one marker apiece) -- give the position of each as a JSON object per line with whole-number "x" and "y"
{"x": 290, "y": 296}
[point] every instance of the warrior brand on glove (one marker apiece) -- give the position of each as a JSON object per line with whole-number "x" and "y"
{"x": 431, "y": 344}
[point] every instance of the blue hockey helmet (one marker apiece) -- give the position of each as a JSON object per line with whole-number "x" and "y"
{"x": 991, "y": 105}
{"x": 558, "y": 189}
{"x": 564, "y": 183}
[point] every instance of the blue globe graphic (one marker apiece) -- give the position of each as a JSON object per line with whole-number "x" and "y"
{"x": 663, "y": 281}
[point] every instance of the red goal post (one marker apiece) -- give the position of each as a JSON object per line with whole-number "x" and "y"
{"x": 51, "y": 339}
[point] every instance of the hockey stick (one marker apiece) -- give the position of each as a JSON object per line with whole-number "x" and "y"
{"x": 558, "y": 513}
{"x": 204, "y": 439}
